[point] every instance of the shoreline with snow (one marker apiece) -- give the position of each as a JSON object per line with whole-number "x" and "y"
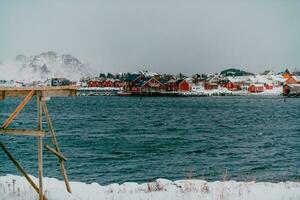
{"x": 14, "y": 187}
{"x": 112, "y": 91}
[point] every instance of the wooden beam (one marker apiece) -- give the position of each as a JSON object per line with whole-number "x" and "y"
{"x": 19, "y": 108}
{"x": 47, "y": 91}
{"x": 55, "y": 143}
{"x": 59, "y": 155}
{"x": 20, "y": 168}
{"x": 22, "y": 132}
{"x": 40, "y": 147}
{"x": 58, "y": 93}
{"x": 15, "y": 94}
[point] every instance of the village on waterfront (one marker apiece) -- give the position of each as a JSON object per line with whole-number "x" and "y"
{"x": 149, "y": 100}
{"x": 144, "y": 83}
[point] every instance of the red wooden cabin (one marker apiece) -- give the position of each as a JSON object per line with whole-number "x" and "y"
{"x": 108, "y": 83}
{"x": 118, "y": 83}
{"x": 255, "y": 88}
{"x": 171, "y": 85}
{"x": 230, "y": 86}
{"x": 94, "y": 83}
{"x": 269, "y": 86}
{"x": 132, "y": 82}
{"x": 184, "y": 86}
{"x": 210, "y": 86}
{"x": 153, "y": 85}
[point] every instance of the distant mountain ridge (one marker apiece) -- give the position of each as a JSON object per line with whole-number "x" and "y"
{"x": 47, "y": 65}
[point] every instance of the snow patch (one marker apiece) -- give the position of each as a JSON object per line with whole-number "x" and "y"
{"x": 15, "y": 188}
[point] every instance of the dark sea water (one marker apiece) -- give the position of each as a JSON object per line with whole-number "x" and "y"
{"x": 118, "y": 139}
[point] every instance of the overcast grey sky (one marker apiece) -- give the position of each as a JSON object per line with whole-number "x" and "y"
{"x": 160, "y": 35}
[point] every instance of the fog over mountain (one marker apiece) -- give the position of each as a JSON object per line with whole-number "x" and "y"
{"x": 43, "y": 66}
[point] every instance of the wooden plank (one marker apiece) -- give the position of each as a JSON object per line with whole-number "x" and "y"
{"x": 40, "y": 146}
{"x": 61, "y": 91}
{"x": 19, "y": 108}
{"x": 58, "y": 93}
{"x": 58, "y": 154}
{"x": 55, "y": 143}
{"x": 22, "y": 132}
{"x": 20, "y": 168}
{"x": 11, "y": 93}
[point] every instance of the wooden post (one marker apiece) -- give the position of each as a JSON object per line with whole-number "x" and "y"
{"x": 56, "y": 146}
{"x": 40, "y": 146}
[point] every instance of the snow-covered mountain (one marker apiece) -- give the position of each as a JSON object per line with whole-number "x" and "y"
{"x": 43, "y": 66}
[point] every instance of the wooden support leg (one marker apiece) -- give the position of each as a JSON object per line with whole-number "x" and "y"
{"x": 19, "y": 108}
{"x": 40, "y": 148}
{"x": 21, "y": 169}
{"x": 56, "y": 146}
{"x": 59, "y": 155}
{"x": 40, "y": 166}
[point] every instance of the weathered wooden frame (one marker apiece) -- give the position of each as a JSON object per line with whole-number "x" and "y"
{"x": 42, "y": 94}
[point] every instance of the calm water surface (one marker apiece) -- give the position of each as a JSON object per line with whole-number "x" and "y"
{"x": 118, "y": 139}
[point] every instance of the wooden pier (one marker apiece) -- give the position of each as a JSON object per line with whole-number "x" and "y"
{"x": 42, "y": 94}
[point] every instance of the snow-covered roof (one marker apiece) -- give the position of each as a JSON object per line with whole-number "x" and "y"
{"x": 297, "y": 78}
{"x": 278, "y": 78}
{"x": 110, "y": 79}
{"x": 237, "y": 79}
{"x": 268, "y": 72}
{"x": 215, "y": 78}
{"x": 190, "y": 80}
{"x": 262, "y": 79}
{"x": 294, "y": 85}
{"x": 258, "y": 85}
{"x": 146, "y": 73}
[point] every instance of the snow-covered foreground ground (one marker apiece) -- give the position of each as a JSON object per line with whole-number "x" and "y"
{"x": 16, "y": 188}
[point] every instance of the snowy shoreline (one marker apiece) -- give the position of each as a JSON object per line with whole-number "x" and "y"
{"x": 111, "y": 91}
{"x": 14, "y": 187}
